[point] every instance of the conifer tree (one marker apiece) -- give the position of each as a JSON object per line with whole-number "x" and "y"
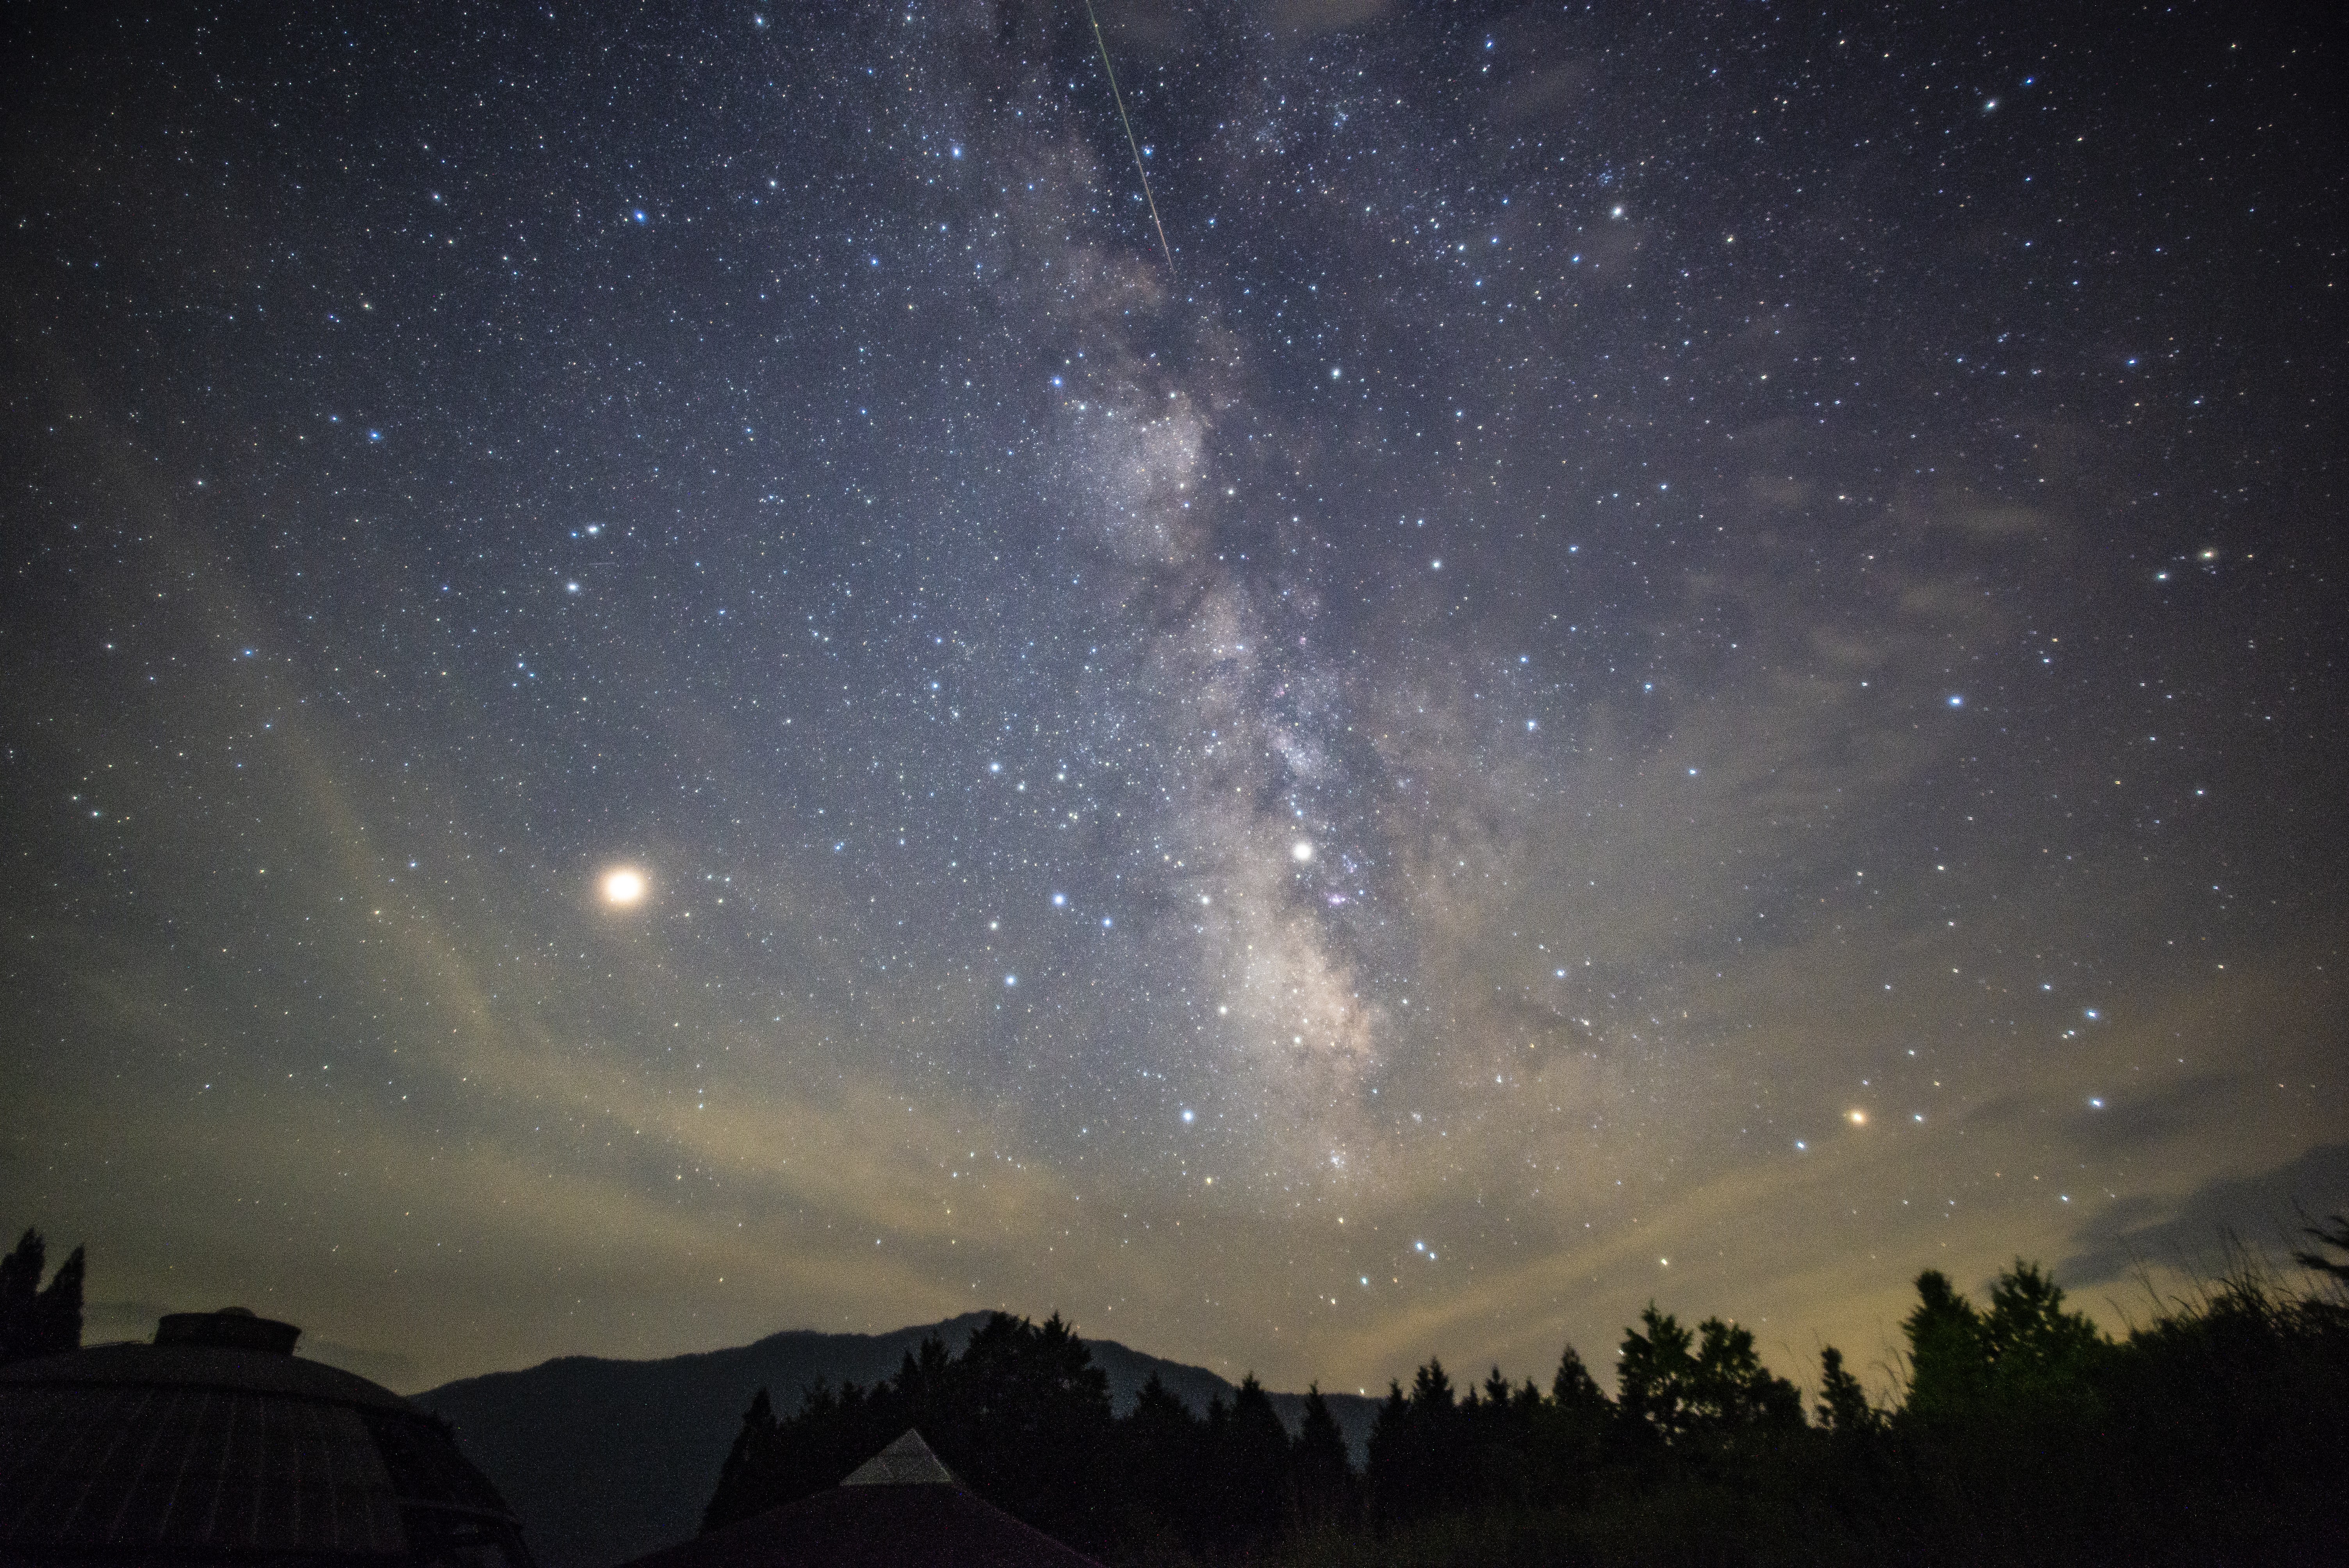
{"x": 739, "y": 1478}
{"x": 1254, "y": 1462}
{"x": 1163, "y": 1445}
{"x": 1843, "y": 1405}
{"x": 1674, "y": 1384}
{"x": 1653, "y": 1381}
{"x": 1394, "y": 1458}
{"x": 1324, "y": 1474}
{"x": 1579, "y": 1416}
{"x": 1949, "y": 1359}
{"x": 1573, "y": 1387}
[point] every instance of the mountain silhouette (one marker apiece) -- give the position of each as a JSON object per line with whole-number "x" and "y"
{"x": 605, "y": 1461}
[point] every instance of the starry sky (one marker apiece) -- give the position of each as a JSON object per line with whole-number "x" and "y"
{"x": 1686, "y": 652}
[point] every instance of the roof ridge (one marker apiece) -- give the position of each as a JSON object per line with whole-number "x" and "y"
{"x": 908, "y": 1462}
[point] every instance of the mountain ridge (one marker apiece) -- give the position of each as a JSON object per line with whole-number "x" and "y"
{"x": 546, "y": 1434}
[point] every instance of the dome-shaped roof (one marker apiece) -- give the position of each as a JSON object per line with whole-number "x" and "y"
{"x": 218, "y": 1441}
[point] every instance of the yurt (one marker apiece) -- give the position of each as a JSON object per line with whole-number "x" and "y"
{"x": 216, "y": 1444}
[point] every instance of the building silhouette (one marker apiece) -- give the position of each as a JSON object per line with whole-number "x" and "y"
{"x": 217, "y": 1444}
{"x": 900, "y": 1508}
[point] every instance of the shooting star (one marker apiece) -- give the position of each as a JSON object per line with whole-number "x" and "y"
{"x": 1119, "y": 98}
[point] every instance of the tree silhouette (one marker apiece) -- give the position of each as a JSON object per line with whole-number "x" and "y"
{"x": 1577, "y": 1421}
{"x": 1023, "y": 1414}
{"x": 1251, "y": 1465}
{"x": 1431, "y": 1390}
{"x": 1573, "y": 1387}
{"x": 1413, "y": 1447}
{"x": 1165, "y": 1451}
{"x": 1673, "y": 1386}
{"x": 748, "y": 1463}
{"x": 2216, "y": 1434}
{"x": 2027, "y": 1322}
{"x": 35, "y": 1321}
{"x": 1391, "y": 1461}
{"x": 1734, "y": 1392}
{"x": 1949, "y": 1361}
{"x": 2036, "y": 1347}
{"x": 1324, "y": 1474}
{"x": 1843, "y": 1405}
{"x": 1653, "y": 1381}
{"x": 2027, "y": 1351}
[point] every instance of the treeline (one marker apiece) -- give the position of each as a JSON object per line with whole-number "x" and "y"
{"x": 1022, "y": 1417}
{"x": 2217, "y": 1432}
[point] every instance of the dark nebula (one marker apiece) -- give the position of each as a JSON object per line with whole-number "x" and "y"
{"x": 1689, "y": 653}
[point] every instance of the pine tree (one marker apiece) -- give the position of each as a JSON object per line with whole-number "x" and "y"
{"x": 1948, "y": 1358}
{"x": 1254, "y": 1460}
{"x": 1163, "y": 1445}
{"x": 1843, "y": 1405}
{"x": 1392, "y": 1460}
{"x": 1732, "y": 1392}
{"x": 1573, "y": 1387}
{"x": 1675, "y": 1384}
{"x": 740, "y": 1479}
{"x": 1578, "y": 1418}
{"x": 1653, "y": 1382}
{"x": 1325, "y": 1476}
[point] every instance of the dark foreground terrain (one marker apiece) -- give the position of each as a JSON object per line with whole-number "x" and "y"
{"x": 605, "y": 1460}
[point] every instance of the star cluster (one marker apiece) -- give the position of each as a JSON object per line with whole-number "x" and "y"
{"x": 663, "y": 681}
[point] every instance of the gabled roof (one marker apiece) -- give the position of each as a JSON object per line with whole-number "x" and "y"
{"x": 874, "y": 1520}
{"x": 905, "y": 1462}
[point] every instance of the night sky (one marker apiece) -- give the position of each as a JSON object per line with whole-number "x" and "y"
{"x": 1687, "y": 652}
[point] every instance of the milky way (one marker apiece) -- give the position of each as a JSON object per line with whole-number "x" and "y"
{"x": 1691, "y": 657}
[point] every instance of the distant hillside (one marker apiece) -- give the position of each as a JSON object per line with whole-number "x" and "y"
{"x": 607, "y": 1459}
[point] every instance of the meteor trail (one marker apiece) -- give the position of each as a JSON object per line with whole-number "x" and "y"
{"x": 1120, "y": 99}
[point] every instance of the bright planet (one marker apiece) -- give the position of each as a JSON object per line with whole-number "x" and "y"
{"x": 1802, "y": 596}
